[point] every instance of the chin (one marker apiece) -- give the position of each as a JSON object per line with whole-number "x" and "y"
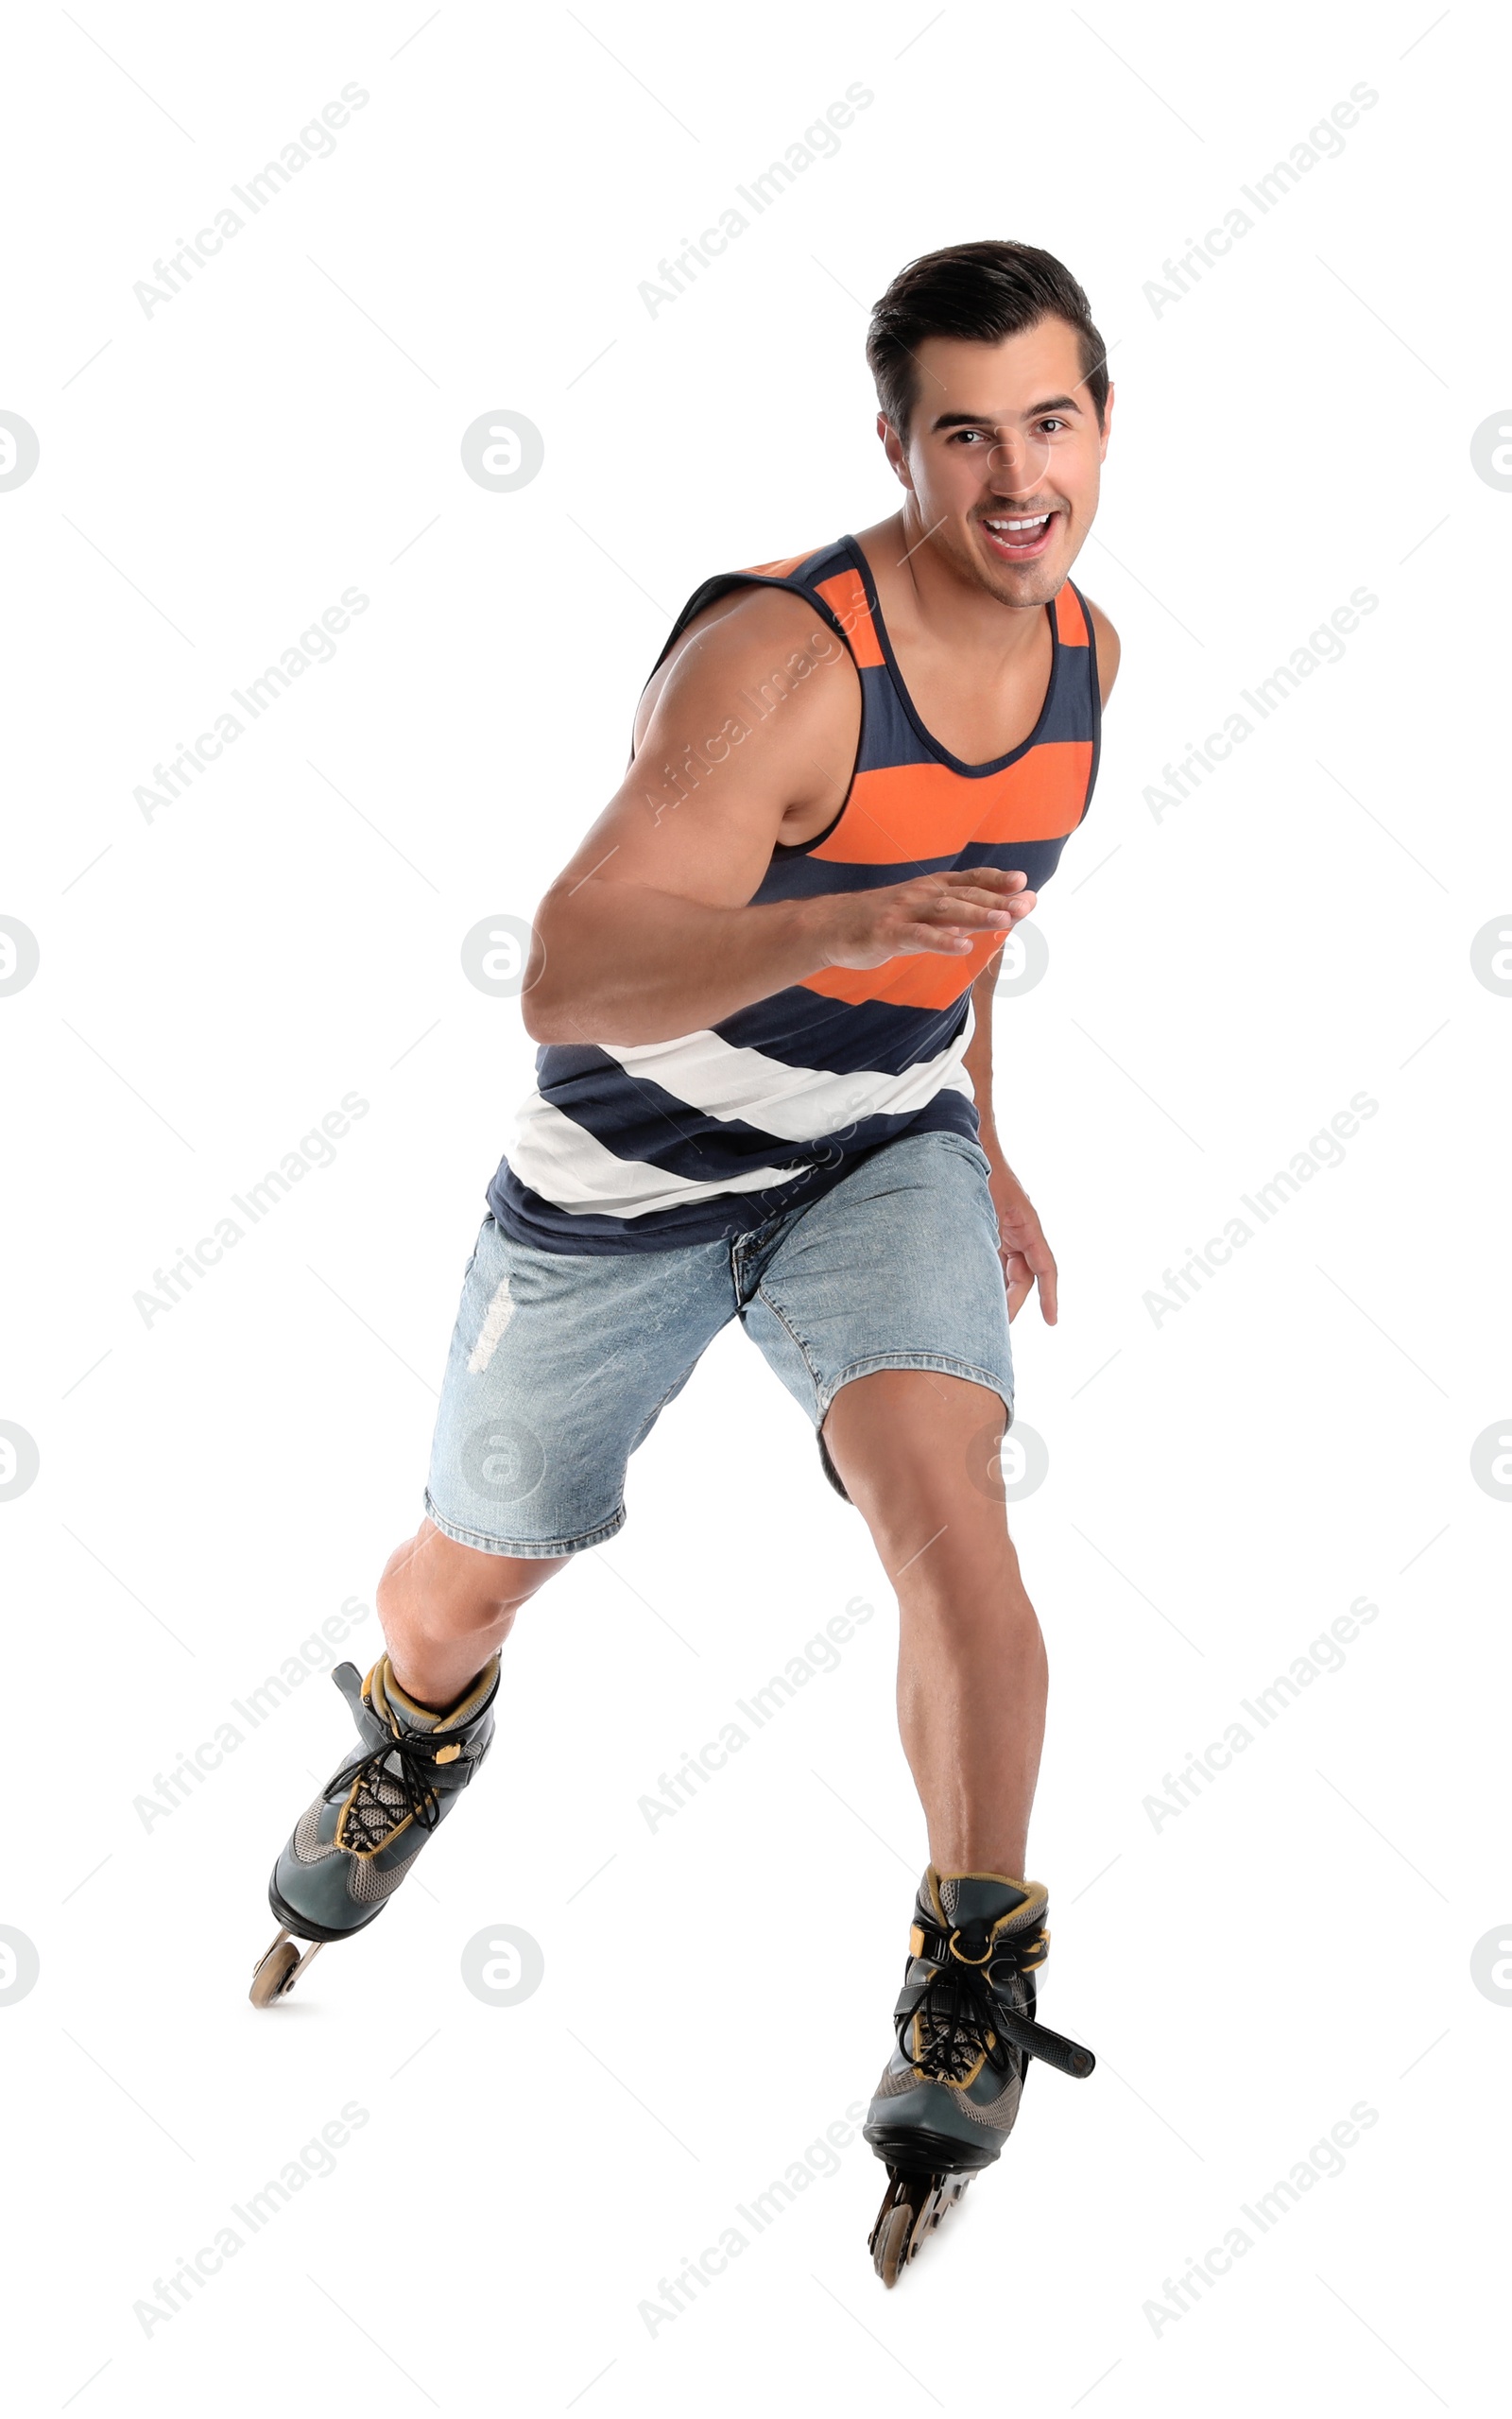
{"x": 1037, "y": 583}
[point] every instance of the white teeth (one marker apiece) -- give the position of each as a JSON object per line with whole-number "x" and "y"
{"x": 1038, "y": 524}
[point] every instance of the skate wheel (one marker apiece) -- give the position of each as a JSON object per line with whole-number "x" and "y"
{"x": 274, "y": 1972}
{"x": 931, "y": 2209}
{"x": 892, "y": 2243}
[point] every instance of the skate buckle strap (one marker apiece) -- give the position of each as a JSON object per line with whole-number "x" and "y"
{"x": 1017, "y": 1952}
{"x": 960, "y": 2020}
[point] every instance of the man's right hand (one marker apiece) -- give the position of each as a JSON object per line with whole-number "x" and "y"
{"x": 941, "y": 912}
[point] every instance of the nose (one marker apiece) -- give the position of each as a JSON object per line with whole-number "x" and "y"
{"x": 1016, "y": 462}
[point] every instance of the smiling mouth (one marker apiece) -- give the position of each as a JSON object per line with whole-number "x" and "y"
{"x": 1019, "y": 539}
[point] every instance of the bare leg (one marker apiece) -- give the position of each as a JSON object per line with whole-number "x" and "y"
{"x": 446, "y": 1607}
{"x": 971, "y": 1670}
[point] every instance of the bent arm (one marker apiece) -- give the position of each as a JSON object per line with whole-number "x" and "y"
{"x": 649, "y": 932}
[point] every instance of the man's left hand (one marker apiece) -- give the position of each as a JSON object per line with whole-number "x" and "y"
{"x": 1026, "y": 1257}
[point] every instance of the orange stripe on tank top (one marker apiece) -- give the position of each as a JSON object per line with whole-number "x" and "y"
{"x": 846, "y": 599}
{"x": 898, "y": 814}
{"x": 776, "y": 570}
{"x": 1071, "y": 622}
{"x": 925, "y": 981}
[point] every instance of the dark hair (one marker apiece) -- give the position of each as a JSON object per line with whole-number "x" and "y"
{"x": 982, "y": 292}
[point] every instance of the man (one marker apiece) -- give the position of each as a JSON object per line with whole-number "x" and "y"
{"x": 763, "y": 989}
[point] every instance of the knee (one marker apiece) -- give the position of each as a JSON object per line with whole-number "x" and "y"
{"x": 458, "y": 1591}
{"x": 912, "y": 1491}
{"x": 939, "y": 1539}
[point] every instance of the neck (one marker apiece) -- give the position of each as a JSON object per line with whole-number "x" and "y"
{"x": 922, "y": 585}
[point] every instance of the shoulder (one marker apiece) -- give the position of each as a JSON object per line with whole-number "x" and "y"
{"x": 1109, "y": 649}
{"x": 766, "y": 642}
{"x": 752, "y": 617}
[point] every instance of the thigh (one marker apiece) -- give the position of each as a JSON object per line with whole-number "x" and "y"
{"x": 560, "y": 1363}
{"x": 895, "y": 1268}
{"x": 918, "y": 1454}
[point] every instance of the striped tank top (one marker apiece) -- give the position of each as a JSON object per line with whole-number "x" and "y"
{"x": 649, "y": 1146}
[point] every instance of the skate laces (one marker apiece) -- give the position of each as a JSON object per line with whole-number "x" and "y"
{"x": 953, "y": 2015}
{"x": 382, "y": 1799}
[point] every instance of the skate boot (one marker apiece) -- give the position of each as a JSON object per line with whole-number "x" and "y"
{"x": 965, "y": 2022}
{"x": 351, "y": 1850}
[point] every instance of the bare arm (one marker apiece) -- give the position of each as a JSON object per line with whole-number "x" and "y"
{"x": 1026, "y": 1257}
{"x": 978, "y": 1057}
{"x": 1109, "y": 648}
{"x": 648, "y": 931}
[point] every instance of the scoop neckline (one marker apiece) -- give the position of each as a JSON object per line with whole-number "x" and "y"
{"x": 957, "y": 764}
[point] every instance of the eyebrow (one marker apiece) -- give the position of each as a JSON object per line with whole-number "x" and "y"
{"x": 982, "y": 420}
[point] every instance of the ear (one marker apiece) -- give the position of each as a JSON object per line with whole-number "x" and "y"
{"x": 893, "y": 446}
{"x": 1108, "y": 424}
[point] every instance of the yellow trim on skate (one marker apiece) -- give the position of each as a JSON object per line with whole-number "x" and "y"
{"x": 477, "y": 1690}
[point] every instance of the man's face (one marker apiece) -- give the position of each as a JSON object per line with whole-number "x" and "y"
{"x": 1004, "y": 433}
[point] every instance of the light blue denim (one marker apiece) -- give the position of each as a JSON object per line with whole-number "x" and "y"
{"x": 561, "y": 1363}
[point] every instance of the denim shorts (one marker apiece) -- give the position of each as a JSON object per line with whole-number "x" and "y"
{"x": 560, "y": 1362}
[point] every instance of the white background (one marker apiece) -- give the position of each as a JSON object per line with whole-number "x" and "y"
{"x": 1222, "y": 1485}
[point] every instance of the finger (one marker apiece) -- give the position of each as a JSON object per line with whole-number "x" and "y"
{"x": 1042, "y": 1261}
{"x": 1001, "y": 906}
{"x": 943, "y": 940}
{"x": 968, "y": 920}
{"x": 981, "y": 912}
{"x": 989, "y": 877}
